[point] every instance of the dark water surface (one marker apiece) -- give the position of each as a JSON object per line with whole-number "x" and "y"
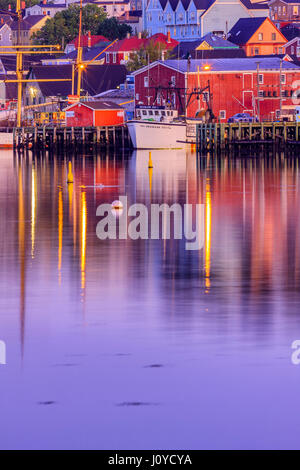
{"x": 135, "y": 344}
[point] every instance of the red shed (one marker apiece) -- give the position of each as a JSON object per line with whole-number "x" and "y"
{"x": 94, "y": 113}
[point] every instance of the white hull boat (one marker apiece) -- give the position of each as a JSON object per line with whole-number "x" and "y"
{"x": 6, "y": 139}
{"x": 157, "y": 135}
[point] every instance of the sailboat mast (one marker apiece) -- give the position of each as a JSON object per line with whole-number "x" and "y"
{"x": 19, "y": 64}
{"x": 79, "y": 53}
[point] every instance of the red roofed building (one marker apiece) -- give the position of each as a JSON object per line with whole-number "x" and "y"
{"x": 120, "y": 52}
{"x": 88, "y": 40}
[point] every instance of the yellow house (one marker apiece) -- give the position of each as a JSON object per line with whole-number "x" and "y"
{"x": 28, "y": 26}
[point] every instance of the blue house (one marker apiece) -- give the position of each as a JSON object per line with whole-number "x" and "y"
{"x": 191, "y": 19}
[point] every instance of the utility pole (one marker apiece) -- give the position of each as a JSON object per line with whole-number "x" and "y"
{"x": 257, "y": 81}
{"x": 280, "y": 88}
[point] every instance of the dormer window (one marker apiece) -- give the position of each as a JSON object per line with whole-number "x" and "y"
{"x": 260, "y": 36}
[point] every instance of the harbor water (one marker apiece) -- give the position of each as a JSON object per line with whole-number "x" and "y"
{"x": 141, "y": 343}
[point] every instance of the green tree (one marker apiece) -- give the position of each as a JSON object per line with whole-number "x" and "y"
{"x": 112, "y": 29}
{"x": 64, "y": 26}
{"x": 150, "y": 53}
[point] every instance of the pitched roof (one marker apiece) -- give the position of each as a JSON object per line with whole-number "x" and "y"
{"x": 103, "y": 104}
{"x": 244, "y": 29}
{"x": 184, "y": 51}
{"x": 217, "y": 42}
{"x": 256, "y": 5}
{"x": 128, "y": 44}
{"x": 87, "y": 53}
{"x": 95, "y": 79}
{"x": 229, "y": 65}
{"x": 28, "y": 22}
{"x": 163, "y": 3}
{"x": 203, "y": 4}
{"x": 95, "y": 39}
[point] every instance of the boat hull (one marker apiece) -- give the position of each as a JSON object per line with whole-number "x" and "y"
{"x": 157, "y": 135}
{"x": 6, "y": 140}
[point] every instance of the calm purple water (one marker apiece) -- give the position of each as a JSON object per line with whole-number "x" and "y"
{"x": 124, "y": 344}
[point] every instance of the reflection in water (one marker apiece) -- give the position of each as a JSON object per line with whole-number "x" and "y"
{"x": 219, "y": 320}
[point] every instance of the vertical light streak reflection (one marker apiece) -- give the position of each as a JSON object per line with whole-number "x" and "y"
{"x": 21, "y": 227}
{"x": 83, "y": 216}
{"x": 60, "y": 232}
{"x": 207, "y": 234}
{"x": 33, "y": 209}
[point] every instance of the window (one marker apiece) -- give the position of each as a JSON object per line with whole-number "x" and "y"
{"x": 277, "y": 113}
{"x": 10, "y": 37}
{"x": 205, "y": 96}
{"x": 256, "y": 51}
{"x": 107, "y": 58}
{"x": 146, "y": 82}
{"x": 292, "y": 50}
{"x": 0, "y": 37}
{"x": 260, "y": 93}
{"x": 260, "y": 78}
{"x": 295, "y": 10}
{"x": 260, "y": 36}
{"x": 114, "y": 57}
{"x": 273, "y": 36}
{"x": 173, "y": 80}
{"x": 298, "y": 51}
{"x": 283, "y": 78}
{"x": 137, "y": 96}
{"x": 222, "y": 114}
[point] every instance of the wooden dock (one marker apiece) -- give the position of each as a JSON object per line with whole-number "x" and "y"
{"x": 225, "y": 136}
{"x": 64, "y": 138}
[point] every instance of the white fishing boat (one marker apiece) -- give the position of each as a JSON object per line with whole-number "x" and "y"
{"x": 157, "y": 128}
{"x": 6, "y": 138}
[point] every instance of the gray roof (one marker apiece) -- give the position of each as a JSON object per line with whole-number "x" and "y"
{"x": 103, "y": 104}
{"x": 228, "y": 65}
{"x": 244, "y": 29}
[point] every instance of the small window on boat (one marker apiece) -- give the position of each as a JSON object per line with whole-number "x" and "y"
{"x": 144, "y": 113}
{"x": 150, "y": 113}
{"x": 168, "y": 113}
{"x": 171, "y": 113}
{"x": 163, "y": 113}
{"x": 156, "y": 113}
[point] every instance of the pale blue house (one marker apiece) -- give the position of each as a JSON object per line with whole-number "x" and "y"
{"x": 191, "y": 19}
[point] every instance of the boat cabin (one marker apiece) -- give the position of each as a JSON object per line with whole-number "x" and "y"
{"x": 156, "y": 114}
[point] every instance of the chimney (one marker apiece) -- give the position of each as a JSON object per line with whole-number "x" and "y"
{"x": 128, "y": 35}
{"x": 127, "y": 15}
{"x": 168, "y": 37}
{"x": 89, "y": 40}
{"x": 9, "y": 7}
{"x": 44, "y": 2}
{"x": 2, "y": 21}
{"x": 23, "y": 6}
{"x": 140, "y": 35}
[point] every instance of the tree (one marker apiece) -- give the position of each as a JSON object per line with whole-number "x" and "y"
{"x": 112, "y": 29}
{"x": 64, "y": 26}
{"x": 146, "y": 54}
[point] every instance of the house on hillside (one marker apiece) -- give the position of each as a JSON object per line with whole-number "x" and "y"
{"x": 133, "y": 18}
{"x": 120, "y": 52}
{"x": 257, "y": 36}
{"x": 284, "y": 10}
{"x": 28, "y": 27}
{"x": 190, "y": 19}
{"x": 114, "y": 8}
{"x": 292, "y": 48}
{"x": 45, "y": 8}
{"x": 5, "y": 34}
{"x": 88, "y": 40}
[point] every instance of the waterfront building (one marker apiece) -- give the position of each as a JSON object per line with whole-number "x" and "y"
{"x": 5, "y": 33}
{"x": 293, "y": 47}
{"x": 190, "y": 19}
{"x": 210, "y": 45}
{"x": 232, "y": 86}
{"x": 257, "y": 36}
{"x": 95, "y": 79}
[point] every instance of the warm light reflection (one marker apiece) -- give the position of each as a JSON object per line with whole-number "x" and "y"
{"x": 83, "y": 215}
{"x": 207, "y": 234}
{"x": 21, "y": 226}
{"x": 60, "y": 231}
{"x": 33, "y": 209}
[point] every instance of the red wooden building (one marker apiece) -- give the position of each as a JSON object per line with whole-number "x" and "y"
{"x": 94, "y": 113}
{"x": 251, "y": 85}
